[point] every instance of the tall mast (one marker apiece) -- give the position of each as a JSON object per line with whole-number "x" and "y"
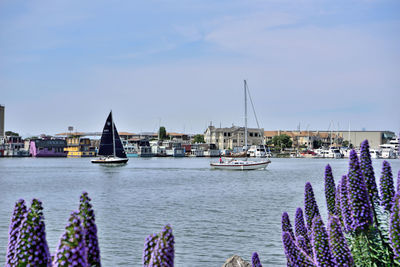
{"x": 245, "y": 114}
{"x": 112, "y": 127}
{"x": 349, "y": 135}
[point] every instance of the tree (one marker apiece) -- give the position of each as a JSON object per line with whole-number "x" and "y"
{"x": 10, "y": 133}
{"x": 282, "y": 141}
{"x": 317, "y": 144}
{"x": 162, "y": 133}
{"x": 198, "y": 138}
{"x": 347, "y": 144}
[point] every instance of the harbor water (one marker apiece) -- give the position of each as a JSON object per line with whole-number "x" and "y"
{"x": 214, "y": 213}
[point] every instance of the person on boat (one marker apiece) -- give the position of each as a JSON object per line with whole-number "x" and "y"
{"x": 220, "y": 160}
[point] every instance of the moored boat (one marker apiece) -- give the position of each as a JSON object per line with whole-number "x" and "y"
{"x": 111, "y": 149}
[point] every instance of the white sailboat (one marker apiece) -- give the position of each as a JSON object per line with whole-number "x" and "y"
{"x": 237, "y": 164}
{"x": 111, "y": 149}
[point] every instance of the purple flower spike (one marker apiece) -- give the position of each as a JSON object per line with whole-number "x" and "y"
{"x": 358, "y": 196}
{"x": 394, "y": 227}
{"x": 387, "y": 186}
{"x": 299, "y": 224}
{"x": 398, "y": 181}
{"x": 255, "y": 260}
{"x": 319, "y": 240}
{"x": 340, "y": 251}
{"x": 338, "y": 209}
{"x": 368, "y": 172}
{"x": 344, "y": 205}
{"x": 301, "y": 230}
{"x": 304, "y": 245}
{"x": 149, "y": 244}
{"x": 15, "y": 226}
{"x": 32, "y": 248}
{"x": 310, "y": 205}
{"x": 330, "y": 189}
{"x": 163, "y": 252}
{"x": 294, "y": 255}
{"x": 72, "y": 250}
{"x": 89, "y": 225}
{"x": 286, "y": 225}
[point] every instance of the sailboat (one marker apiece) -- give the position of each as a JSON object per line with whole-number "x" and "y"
{"x": 237, "y": 164}
{"x": 111, "y": 149}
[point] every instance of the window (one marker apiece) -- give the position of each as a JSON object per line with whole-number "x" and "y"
{"x": 251, "y": 134}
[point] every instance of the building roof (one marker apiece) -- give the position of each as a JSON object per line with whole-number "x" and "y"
{"x": 126, "y": 133}
{"x": 176, "y": 134}
{"x": 71, "y": 133}
{"x": 300, "y": 134}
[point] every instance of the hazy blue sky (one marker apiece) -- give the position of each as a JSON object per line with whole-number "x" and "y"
{"x": 182, "y": 63}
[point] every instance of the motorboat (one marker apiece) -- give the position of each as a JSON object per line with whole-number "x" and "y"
{"x": 332, "y": 152}
{"x": 390, "y": 150}
{"x": 375, "y": 154}
{"x": 257, "y": 151}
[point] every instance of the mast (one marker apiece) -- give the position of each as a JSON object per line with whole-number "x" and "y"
{"x": 349, "y": 135}
{"x": 245, "y": 115}
{"x": 113, "y": 137}
{"x": 255, "y": 115}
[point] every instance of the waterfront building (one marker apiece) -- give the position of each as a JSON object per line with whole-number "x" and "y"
{"x": 196, "y": 150}
{"x": 79, "y": 147}
{"x": 146, "y": 136}
{"x": 173, "y": 148}
{"x": 333, "y": 138}
{"x": 13, "y": 147}
{"x": 375, "y": 138}
{"x": 142, "y": 146}
{"x": 231, "y": 137}
{"x": 179, "y": 136}
{"x": 48, "y": 148}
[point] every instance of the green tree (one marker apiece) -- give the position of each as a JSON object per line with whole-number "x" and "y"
{"x": 317, "y": 144}
{"x": 10, "y": 133}
{"x": 347, "y": 144}
{"x": 198, "y": 138}
{"x": 282, "y": 141}
{"x": 162, "y": 133}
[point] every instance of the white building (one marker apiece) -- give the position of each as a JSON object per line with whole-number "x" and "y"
{"x": 229, "y": 138}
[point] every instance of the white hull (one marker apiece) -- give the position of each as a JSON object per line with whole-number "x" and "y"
{"x": 240, "y": 165}
{"x": 110, "y": 160}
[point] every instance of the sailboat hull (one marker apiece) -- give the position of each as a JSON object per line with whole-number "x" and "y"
{"x": 110, "y": 160}
{"x": 239, "y": 165}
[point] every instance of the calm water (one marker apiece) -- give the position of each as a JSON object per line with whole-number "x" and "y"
{"x": 214, "y": 213}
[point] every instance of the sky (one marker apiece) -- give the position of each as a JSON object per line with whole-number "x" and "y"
{"x": 309, "y": 64}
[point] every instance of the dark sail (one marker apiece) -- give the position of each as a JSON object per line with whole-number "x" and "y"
{"x": 119, "y": 148}
{"x": 106, "y": 142}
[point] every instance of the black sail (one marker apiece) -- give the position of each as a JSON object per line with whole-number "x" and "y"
{"x": 106, "y": 142}
{"x": 119, "y": 148}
